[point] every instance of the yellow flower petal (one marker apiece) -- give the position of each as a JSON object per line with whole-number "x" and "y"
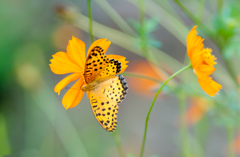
{"x": 193, "y": 41}
{"x": 196, "y": 58}
{"x": 74, "y": 95}
{"x": 120, "y": 59}
{"x": 76, "y": 51}
{"x": 61, "y": 64}
{"x": 66, "y": 81}
{"x": 103, "y": 43}
{"x": 209, "y": 86}
{"x": 203, "y": 70}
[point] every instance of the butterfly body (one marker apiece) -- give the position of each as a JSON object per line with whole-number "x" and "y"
{"x": 92, "y": 85}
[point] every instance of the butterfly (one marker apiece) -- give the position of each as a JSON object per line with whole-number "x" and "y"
{"x": 98, "y": 75}
{"x": 105, "y": 90}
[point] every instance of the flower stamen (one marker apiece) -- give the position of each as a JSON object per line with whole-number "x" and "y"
{"x": 208, "y": 59}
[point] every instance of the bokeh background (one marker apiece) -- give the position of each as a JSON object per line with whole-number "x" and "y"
{"x": 33, "y": 122}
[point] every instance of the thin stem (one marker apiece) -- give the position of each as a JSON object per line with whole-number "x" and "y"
{"x": 141, "y": 16}
{"x": 149, "y": 112}
{"x": 118, "y": 143}
{"x": 200, "y": 8}
{"x": 230, "y": 139}
{"x": 230, "y": 69}
{"x": 90, "y": 21}
{"x": 4, "y": 137}
{"x": 183, "y": 125}
{"x": 113, "y": 14}
{"x": 219, "y": 6}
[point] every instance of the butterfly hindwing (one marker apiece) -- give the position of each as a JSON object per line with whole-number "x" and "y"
{"x": 105, "y": 111}
{"x": 96, "y": 62}
{"x": 117, "y": 90}
{"x": 104, "y": 100}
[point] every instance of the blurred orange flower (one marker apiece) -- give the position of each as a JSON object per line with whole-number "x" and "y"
{"x": 202, "y": 62}
{"x": 239, "y": 82}
{"x": 236, "y": 144}
{"x": 74, "y": 62}
{"x": 141, "y": 85}
{"x": 199, "y": 106}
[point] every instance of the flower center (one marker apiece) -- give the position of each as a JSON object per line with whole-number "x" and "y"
{"x": 208, "y": 58}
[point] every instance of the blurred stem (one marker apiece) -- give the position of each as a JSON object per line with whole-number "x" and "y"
{"x": 118, "y": 143}
{"x": 165, "y": 19}
{"x": 90, "y": 21}
{"x": 230, "y": 139}
{"x": 195, "y": 19}
{"x": 141, "y": 16}
{"x": 230, "y": 69}
{"x": 61, "y": 122}
{"x": 219, "y": 6}
{"x": 200, "y": 8}
{"x": 149, "y": 112}
{"x": 169, "y": 8}
{"x": 129, "y": 74}
{"x": 183, "y": 126}
{"x": 113, "y": 14}
{"x": 4, "y": 138}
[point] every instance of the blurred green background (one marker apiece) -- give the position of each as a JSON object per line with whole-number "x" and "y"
{"x": 33, "y": 122}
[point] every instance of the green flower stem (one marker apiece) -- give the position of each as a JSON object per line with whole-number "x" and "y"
{"x": 219, "y": 6}
{"x": 113, "y": 14}
{"x": 184, "y": 136}
{"x": 141, "y": 16}
{"x": 90, "y": 21}
{"x": 118, "y": 143}
{"x": 4, "y": 137}
{"x": 200, "y": 8}
{"x": 230, "y": 69}
{"x": 149, "y": 112}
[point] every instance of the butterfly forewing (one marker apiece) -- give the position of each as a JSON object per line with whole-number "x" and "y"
{"x": 99, "y": 66}
{"x": 104, "y": 100}
{"x": 96, "y": 62}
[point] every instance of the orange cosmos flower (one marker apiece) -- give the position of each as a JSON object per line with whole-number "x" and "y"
{"x": 202, "y": 62}
{"x": 73, "y": 63}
